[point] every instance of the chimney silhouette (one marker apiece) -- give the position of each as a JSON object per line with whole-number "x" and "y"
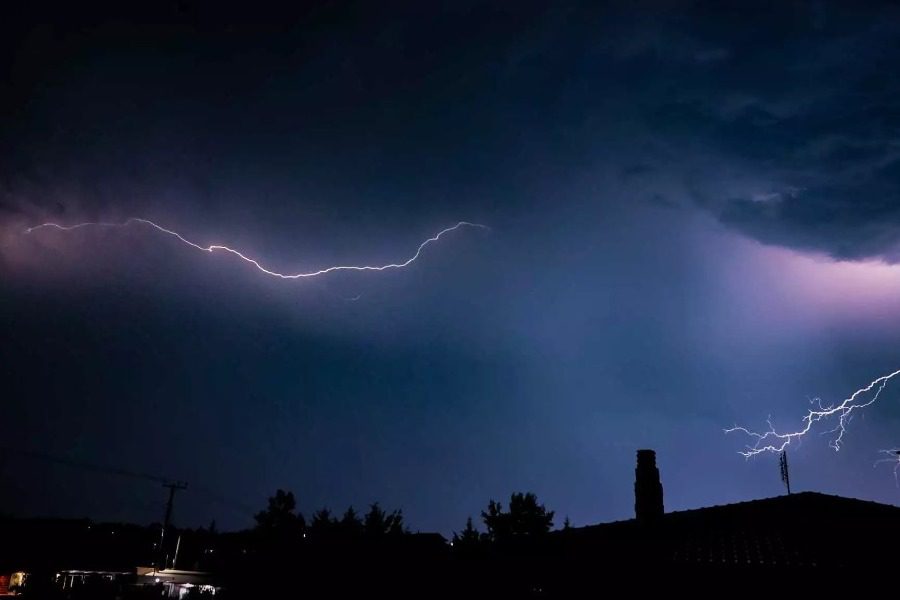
{"x": 648, "y": 491}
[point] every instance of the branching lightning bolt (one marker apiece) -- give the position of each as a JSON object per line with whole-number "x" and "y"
{"x": 254, "y": 262}
{"x": 773, "y": 441}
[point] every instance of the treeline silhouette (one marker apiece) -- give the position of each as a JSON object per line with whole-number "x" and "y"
{"x": 280, "y": 520}
{"x": 287, "y": 555}
{"x": 375, "y": 552}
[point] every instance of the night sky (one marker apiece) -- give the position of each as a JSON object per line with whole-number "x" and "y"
{"x": 694, "y": 216}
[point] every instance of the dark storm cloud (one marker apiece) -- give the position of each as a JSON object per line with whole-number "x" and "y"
{"x": 787, "y": 121}
{"x": 593, "y": 316}
{"x": 782, "y": 120}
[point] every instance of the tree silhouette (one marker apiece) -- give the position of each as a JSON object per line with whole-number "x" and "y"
{"x": 526, "y": 518}
{"x": 469, "y": 539}
{"x": 351, "y": 525}
{"x": 322, "y": 524}
{"x": 378, "y": 523}
{"x": 279, "y": 518}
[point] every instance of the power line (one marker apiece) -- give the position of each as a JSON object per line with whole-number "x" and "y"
{"x": 212, "y": 496}
{"x": 78, "y": 464}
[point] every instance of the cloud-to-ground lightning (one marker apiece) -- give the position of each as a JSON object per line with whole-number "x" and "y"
{"x": 254, "y": 262}
{"x": 774, "y": 441}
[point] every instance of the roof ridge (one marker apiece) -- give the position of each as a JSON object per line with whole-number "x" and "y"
{"x": 756, "y": 501}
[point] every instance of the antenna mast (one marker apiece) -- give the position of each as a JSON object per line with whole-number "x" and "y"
{"x": 785, "y": 474}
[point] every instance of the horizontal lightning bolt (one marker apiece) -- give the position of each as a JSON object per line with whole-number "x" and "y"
{"x": 773, "y": 441}
{"x": 254, "y": 262}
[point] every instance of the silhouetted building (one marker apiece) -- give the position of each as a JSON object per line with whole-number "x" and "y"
{"x": 100, "y": 583}
{"x": 805, "y": 534}
{"x": 177, "y": 583}
{"x": 798, "y": 539}
{"x": 648, "y": 491}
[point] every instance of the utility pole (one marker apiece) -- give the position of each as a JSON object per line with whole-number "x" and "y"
{"x": 177, "y": 547}
{"x": 173, "y": 486}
